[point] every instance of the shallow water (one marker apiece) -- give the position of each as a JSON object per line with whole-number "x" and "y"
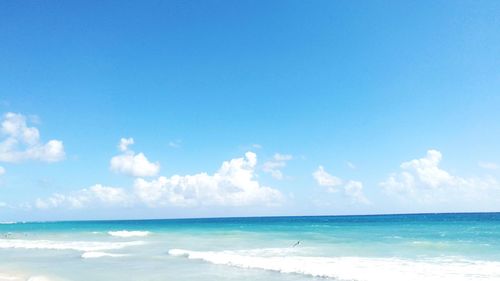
{"x": 389, "y": 247}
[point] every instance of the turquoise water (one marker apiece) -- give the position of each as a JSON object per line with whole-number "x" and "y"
{"x": 386, "y": 247}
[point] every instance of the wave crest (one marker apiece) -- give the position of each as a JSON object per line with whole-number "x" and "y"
{"x": 126, "y": 233}
{"x": 38, "y": 278}
{"x": 354, "y": 268}
{"x": 83, "y": 246}
{"x": 93, "y": 255}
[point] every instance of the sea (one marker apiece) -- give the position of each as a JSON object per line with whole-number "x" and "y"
{"x": 416, "y": 247}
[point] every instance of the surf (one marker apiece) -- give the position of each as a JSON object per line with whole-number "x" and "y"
{"x": 353, "y": 268}
{"x": 83, "y": 246}
{"x": 126, "y": 233}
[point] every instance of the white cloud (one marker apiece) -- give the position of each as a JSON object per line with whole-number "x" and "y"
{"x": 136, "y": 165}
{"x": 425, "y": 181}
{"x": 325, "y": 179}
{"x": 352, "y": 189}
{"x": 351, "y": 165}
{"x": 124, "y": 143}
{"x": 107, "y": 196}
{"x": 427, "y": 170}
{"x": 276, "y": 164}
{"x": 489, "y": 165}
{"x": 23, "y": 143}
{"x": 232, "y": 185}
{"x": 130, "y": 163}
{"x": 2, "y": 170}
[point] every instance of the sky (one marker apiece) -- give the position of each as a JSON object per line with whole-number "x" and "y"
{"x": 174, "y": 109}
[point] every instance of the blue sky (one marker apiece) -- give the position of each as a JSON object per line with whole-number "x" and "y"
{"x": 346, "y": 107}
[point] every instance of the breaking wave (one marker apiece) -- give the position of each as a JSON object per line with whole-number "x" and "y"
{"x": 8, "y": 277}
{"x": 126, "y": 233}
{"x": 353, "y": 268}
{"x": 38, "y": 278}
{"x": 84, "y": 246}
{"x": 93, "y": 255}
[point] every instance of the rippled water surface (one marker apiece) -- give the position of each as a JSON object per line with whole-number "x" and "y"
{"x": 388, "y": 247}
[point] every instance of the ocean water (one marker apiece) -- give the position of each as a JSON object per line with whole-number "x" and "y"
{"x": 386, "y": 247}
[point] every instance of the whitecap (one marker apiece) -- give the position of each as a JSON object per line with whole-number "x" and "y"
{"x": 355, "y": 268}
{"x": 93, "y": 255}
{"x": 38, "y": 278}
{"x": 8, "y": 277}
{"x": 126, "y": 233}
{"x": 84, "y": 246}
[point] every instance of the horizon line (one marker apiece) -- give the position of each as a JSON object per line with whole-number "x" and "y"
{"x": 256, "y": 217}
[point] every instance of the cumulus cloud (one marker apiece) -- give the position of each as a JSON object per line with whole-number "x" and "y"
{"x": 275, "y": 165}
{"x": 124, "y": 143}
{"x": 2, "y": 170}
{"x": 22, "y": 142}
{"x": 323, "y": 178}
{"x": 352, "y": 189}
{"x": 132, "y": 164}
{"x": 233, "y": 184}
{"x": 425, "y": 180}
{"x": 105, "y": 195}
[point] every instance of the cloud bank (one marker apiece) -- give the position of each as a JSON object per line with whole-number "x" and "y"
{"x": 233, "y": 184}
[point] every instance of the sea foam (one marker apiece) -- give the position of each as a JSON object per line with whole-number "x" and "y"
{"x": 93, "y": 255}
{"x": 84, "y": 246}
{"x": 126, "y": 233}
{"x": 8, "y": 277}
{"x": 38, "y": 278}
{"x": 354, "y": 268}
